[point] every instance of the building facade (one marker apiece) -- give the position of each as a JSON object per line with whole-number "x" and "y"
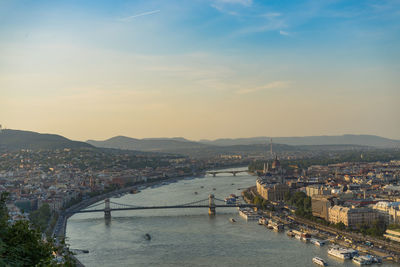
{"x": 320, "y": 206}
{"x": 272, "y": 192}
{"x": 313, "y": 190}
{"x": 352, "y": 217}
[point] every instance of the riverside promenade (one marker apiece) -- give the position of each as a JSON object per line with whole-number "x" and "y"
{"x": 382, "y": 248}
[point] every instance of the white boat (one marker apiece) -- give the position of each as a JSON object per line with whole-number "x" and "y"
{"x": 262, "y": 221}
{"x": 305, "y": 237}
{"x": 290, "y": 233}
{"x": 319, "y": 261}
{"x": 317, "y": 242}
{"x": 339, "y": 253}
{"x": 362, "y": 260}
{"x": 276, "y": 226}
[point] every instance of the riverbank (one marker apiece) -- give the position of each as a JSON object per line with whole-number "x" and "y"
{"x": 386, "y": 250}
{"x": 60, "y": 228}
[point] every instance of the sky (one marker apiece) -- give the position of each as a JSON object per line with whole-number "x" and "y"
{"x": 200, "y": 69}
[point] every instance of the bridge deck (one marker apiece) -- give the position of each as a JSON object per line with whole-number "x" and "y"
{"x": 165, "y": 207}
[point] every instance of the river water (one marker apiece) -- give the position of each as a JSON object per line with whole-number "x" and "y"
{"x": 186, "y": 237}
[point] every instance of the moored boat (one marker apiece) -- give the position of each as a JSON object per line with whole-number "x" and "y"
{"x": 276, "y": 226}
{"x": 305, "y": 237}
{"x": 317, "y": 242}
{"x": 319, "y": 261}
{"x": 338, "y": 253}
{"x": 290, "y": 233}
{"x": 342, "y": 253}
{"x": 230, "y": 200}
{"x": 262, "y": 221}
{"x": 362, "y": 260}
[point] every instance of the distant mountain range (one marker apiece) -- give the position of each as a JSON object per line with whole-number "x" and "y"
{"x": 347, "y": 139}
{"x": 256, "y": 144}
{"x": 182, "y": 146}
{"x": 16, "y": 139}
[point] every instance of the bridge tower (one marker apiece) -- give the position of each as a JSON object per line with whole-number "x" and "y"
{"x": 211, "y": 205}
{"x": 107, "y": 209}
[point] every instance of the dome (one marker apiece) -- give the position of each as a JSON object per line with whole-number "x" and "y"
{"x": 276, "y": 164}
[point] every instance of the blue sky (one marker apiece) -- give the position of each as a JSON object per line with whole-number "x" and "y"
{"x": 196, "y": 68}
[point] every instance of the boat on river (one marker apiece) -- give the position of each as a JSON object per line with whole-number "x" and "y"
{"x": 276, "y": 226}
{"x": 147, "y": 236}
{"x": 262, "y": 221}
{"x": 230, "y": 200}
{"x": 319, "y": 261}
{"x": 342, "y": 253}
{"x": 317, "y": 242}
{"x": 290, "y": 233}
{"x": 362, "y": 260}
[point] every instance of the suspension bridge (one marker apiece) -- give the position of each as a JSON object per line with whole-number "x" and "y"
{"x": 211, "y": 203}
{"x": 214, "y": 173}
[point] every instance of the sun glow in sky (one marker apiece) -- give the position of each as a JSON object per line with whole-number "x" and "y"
{"x": 200, "y": 69}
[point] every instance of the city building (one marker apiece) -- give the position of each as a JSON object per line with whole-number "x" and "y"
{"x": 320, "y": 205}
{"x": 272, "y": 191}
{"x": 352, "y": 217}
{"x": 312, "y": 190}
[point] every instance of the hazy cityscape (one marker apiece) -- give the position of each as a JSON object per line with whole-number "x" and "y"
{"x": 199, "y": 133}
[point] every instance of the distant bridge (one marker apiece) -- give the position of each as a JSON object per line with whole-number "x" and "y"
{"x": 214, "y": 173}
{"x": 204, "y": 203}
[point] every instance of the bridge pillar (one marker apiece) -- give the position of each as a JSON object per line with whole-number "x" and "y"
{"x": 214, "y": 174}
{"x": 107, "y": 209}
{"x": 211, "y": 205}
{"x": 234, "y": 173}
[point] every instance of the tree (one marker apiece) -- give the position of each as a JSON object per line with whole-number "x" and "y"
{"x": 21, "y": 245}
{"x": 258, "y": 201}
{"x": 340, "y": 226}
{"x": 24, "y": 246}
{"x": 40, "y": 218}
{"x": 287, "y": 196}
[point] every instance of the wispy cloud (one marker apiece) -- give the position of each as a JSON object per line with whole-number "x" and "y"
{"x": 226, "y": 6}
{"x": 284, "y": 33}
{"x": 270, "y": 21}
{"x": 272, "y": 85}
{"x": 127, "y": 19}
{"x": 240, "y": 2}
{"x": 272, "y": 15}
{"x": 271, "y": 25}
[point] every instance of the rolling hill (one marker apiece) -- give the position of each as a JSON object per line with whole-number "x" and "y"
{"x": 17, "y": 139}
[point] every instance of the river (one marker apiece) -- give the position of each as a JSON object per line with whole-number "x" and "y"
{"x": 186, "y": 237}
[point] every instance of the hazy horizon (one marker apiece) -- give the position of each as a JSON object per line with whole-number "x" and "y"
{"x": 200, "y": 69}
